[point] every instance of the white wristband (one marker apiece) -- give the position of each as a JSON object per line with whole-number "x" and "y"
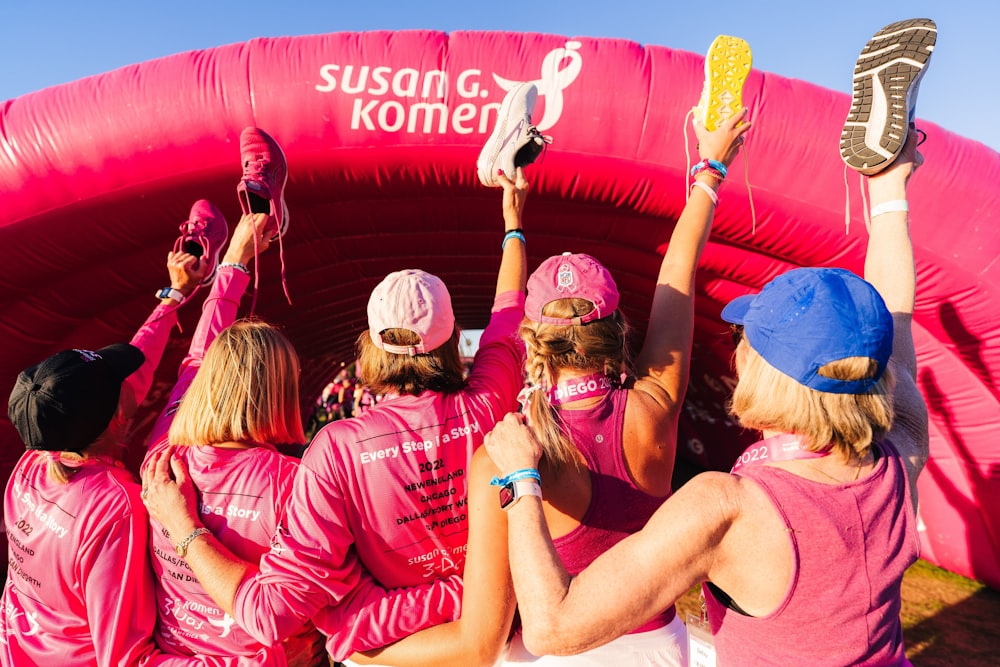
{"x": 170, "y": 293}
{"x": 890, "y": 207}
{"x": 708, "y": 189}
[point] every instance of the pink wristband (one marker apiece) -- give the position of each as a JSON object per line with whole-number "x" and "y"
{"x": 708, "y": 189}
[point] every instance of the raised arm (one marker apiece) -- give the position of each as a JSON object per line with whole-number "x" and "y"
{"x": 633, "y": 581}
{"x": 513, "y": 274}
{"x": 664, "y": 360}
{"x": 218, "y": 312}
{"x": 889, "y": 266}
{"x": 152, "y": 336}
{"x": 478, "y": 637}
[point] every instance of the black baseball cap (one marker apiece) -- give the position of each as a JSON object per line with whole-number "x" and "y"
{"x": 64, "y": 403}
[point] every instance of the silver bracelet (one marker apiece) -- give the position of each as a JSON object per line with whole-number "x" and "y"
{"x": 236, "y": 265}
{"x": 182, "y": 547}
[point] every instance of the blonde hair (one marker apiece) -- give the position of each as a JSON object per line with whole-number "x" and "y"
{"x": 767, "y": 399}
{"x": 383, "y": 372}
{"x": 598, "y": 346}
{"x": 247, "y": 390}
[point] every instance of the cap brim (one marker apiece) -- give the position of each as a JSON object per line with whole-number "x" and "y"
{"x": 736, "y": 310}
{"x": 123, "y": 358}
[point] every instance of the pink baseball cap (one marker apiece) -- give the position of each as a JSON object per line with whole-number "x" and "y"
{"x": 569, "y": 276}
{"x": 414, "y": 300}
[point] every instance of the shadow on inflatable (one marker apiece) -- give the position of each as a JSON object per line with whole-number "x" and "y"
{"x": 381, "y": 131}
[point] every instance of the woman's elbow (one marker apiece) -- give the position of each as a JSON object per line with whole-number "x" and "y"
{"x": 543, "y": 639}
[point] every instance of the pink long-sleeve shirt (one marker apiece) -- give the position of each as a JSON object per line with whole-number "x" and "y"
{"x": 242, "y": 494}
{"x": 384, "y": 493}
{"x": 79, "y": 589}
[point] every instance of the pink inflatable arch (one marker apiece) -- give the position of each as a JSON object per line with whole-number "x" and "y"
{"x": 381, "y": 131}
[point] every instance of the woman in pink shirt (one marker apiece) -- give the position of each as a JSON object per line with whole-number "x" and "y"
{"x": 228, "y": 417}
{"x": 79, "y": 590}
{"x": 801, "y": 551}
{"x": 236, "y": 400}
{"x": 609, "y": 439}
{"x": 382, "y": 495}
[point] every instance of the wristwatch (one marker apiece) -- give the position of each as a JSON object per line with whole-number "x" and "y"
{"x": 171, "y": 293}
{"x": 512, "y": 491}
{"x": 182, "y": 547}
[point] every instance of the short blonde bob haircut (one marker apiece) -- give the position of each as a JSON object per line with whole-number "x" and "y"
{"x": 247, "y": 390}
{"x": 439, "y": 370}
{"x": 767, "y": 399}
{"x": 599, "y": 346}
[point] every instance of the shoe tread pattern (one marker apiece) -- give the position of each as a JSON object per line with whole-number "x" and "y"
{"x": 893, "y": 59}
{"x": 727, "y": 66}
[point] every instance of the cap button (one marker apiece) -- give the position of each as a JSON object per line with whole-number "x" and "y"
{"x": 36, "y": 387}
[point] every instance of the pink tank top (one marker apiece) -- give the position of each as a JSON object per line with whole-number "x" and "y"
{"x": 617, "y": 508}
{"x": 851, "y": 544}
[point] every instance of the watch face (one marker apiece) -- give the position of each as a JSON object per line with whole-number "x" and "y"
{"x": 506, "y": 494}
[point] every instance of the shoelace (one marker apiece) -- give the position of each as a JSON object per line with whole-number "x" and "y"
{"x": 253, "y": 171}
{"x": 865, "y": 208}
{"x": 192, "y": 230}
{"x": 546, "y": 141}
{"x": 746, "y": 172}
{"x": 256, "y": 264}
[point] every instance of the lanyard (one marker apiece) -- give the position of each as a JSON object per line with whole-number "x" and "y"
{"x": 579, "y": 388}
{"x": 784, "y": 447}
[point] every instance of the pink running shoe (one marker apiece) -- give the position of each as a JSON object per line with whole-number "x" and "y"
{"x": 265, "y": 172}
{"x": 203, "y": 235}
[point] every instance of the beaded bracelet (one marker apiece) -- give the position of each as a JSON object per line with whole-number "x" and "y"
{"x": 513, "y": 234}
{"x": 523, "y": 473}
{"x": 237, "y": 266}
{"x": 714, "y": 167}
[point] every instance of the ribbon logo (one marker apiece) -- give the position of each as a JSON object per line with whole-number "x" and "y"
{"x": 553, "y": 81}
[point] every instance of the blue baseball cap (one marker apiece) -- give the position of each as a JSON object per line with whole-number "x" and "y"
{"x": 806, "y": 318}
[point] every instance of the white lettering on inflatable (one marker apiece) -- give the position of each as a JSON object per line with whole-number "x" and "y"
{"x": 370, "y": 85}
{"x": 378, "y": 76}
{"x": 463, "y": 112}
{"x": 430, "y": 110}
{"x": 326, "y": 72}
{"x": 469, "y": 90}
{"x": 398, "y": 115}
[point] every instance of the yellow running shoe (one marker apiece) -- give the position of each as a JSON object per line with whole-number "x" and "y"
{"x": 727, "y": 65}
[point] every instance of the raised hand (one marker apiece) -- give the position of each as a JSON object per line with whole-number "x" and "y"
{"x": 723, "y": 143}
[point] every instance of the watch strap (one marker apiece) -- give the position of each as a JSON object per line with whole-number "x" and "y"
{"x": 171, "y": 293}
{"x": 511, "y": 492}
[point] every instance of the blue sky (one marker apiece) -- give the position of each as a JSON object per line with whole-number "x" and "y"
{"x": 50, "y": 42}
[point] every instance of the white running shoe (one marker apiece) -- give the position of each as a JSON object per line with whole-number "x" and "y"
{"x": 515, "y": 142}
{"x": 886, "y": 82}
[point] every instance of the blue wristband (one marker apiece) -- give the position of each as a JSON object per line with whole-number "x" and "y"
{"x": 523, "y": 473}
{"x": 709, "y": 164}
{"x": 513, "y": 234}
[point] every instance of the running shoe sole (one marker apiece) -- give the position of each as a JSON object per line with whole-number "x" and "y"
{"x": 727, "y": 65}
{"x": 886, "y": 80}
{"x": 486, "y": 164}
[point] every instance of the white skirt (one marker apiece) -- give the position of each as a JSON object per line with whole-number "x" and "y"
{"x": 662, "y": 647}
